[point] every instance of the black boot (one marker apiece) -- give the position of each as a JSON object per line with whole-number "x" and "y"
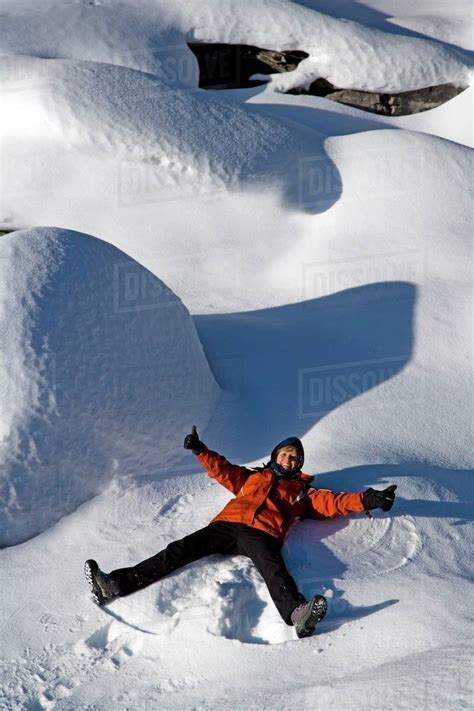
{"x": 306, "y": 616}
{"x": 103, "y": 587}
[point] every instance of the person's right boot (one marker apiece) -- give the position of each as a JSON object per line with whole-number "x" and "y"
{"x": 103, "y": 587}
{"x": 306, "y": 616}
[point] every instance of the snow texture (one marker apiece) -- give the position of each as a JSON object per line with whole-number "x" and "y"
{"x": 259, "y": 264}
{"x": 98, "y": 359}
{"x": 152, "y": 38}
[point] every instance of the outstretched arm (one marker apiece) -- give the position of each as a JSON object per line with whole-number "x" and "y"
{"x": 229, "y": 475}
{"x": 323, "y": 503}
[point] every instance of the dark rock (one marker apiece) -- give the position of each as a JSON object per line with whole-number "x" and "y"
{"x": 397, "y": 104}
{"x": 230, "y": 66}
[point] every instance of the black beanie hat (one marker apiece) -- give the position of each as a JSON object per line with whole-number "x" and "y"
{"x": 290, "y": 442}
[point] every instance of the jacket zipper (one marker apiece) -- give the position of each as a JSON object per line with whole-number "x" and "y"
{"x": 266, "y": 496}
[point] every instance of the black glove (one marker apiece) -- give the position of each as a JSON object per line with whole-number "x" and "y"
{"x": 192, "y": 441}
{"x": 373, "y": 499}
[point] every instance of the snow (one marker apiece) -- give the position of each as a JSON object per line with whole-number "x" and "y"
{"x": 261, "y": 265}
{"x": 346, "y": 53}
{"x": 84, "y": 328}
{"x": 114, "y": 33}
{"x": 451, "y": 120}
{"x": 429, "y": 18}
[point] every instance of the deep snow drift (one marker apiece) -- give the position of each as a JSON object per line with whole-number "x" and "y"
{"x": 134, "y": 129}
{"x": 324, "y": 256}
{"x": 280, "y": 214}
{"x": 98, "y": 357}
{"x": 151, "y": 37}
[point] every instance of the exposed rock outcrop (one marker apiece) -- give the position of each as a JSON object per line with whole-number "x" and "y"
{"x": 406, "y": 102}
{"x": 227, "y": 66}
{"x": 231, "y": 66}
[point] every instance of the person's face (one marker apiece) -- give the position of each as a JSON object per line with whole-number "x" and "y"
{"x": 287, "y": 458}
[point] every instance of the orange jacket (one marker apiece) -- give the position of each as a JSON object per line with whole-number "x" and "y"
{"x": 263, "y": 501}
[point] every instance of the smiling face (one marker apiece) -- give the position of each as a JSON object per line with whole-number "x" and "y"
{"x": 287, "y": 458}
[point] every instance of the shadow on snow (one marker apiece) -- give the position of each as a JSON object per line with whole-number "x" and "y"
{"x": 283, "y": 369}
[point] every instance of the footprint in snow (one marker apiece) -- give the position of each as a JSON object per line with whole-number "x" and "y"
{"x": 171, "y": 507}
{"x": 49, "y": 623}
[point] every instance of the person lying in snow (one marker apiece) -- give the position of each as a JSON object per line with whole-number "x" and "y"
{"x": 254, "y": 523}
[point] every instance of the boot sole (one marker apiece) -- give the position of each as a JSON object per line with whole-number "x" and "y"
{"x": 90, "y": 571}
{"x": 315, "y": 614}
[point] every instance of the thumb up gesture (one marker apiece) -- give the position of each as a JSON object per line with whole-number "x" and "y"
{"x": 192, "y": 441}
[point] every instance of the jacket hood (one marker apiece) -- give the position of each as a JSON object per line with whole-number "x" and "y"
{"x": 288, "y": 442}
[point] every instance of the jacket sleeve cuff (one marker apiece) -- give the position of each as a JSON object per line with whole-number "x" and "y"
{"x": 204, "y": 455}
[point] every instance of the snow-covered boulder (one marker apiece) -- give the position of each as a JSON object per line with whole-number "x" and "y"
{"x": 101, "y": 373}
{"x": 123, "y": 36}
{"x": 123, "y": 137}
{"x": 151, "y": 36}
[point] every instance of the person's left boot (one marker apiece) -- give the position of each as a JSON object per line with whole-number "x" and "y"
{"x": 103, "y": 588}
{"x": 306, "y": 616}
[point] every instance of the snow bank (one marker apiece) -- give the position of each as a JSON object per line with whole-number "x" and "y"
{"x": 431, "y": 18}
{"x": 401, "y": 224}
{"x": 378, "y": 290}
{"x": 347, "y": 54}
{"x": 364, "y": 271}
{"x": 128, "y": 114}
{"x": 153, "y": 39}
{"x": 102, "y": 374}
{"x": 204, "y": 634}
{"x": 123, "y": 137}
{"x": 115, "y": 33}
{"x": 451, "y": 120}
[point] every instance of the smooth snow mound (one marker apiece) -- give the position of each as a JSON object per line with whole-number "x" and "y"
{"x": 102, "y": 373}
{"x": 113, "y": 33}
{"x": 153, "y": 38}
{"x": 187, "y": 141}
{"x": 451, "y": 120}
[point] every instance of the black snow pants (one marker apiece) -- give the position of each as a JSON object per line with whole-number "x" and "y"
{"x": 225, "y": 538}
